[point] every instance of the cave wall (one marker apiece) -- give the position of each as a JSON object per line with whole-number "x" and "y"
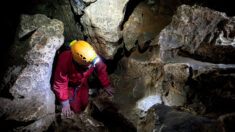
{"x": 184, "y": 60}
{"x": 27, "y": 101}
{"x": 163, "y": 52}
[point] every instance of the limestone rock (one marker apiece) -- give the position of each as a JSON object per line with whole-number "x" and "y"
{"x": 189, "y": 44}
{"x": 173, "y": 84}
{"x": 78, "y": 6}
{"x": 176, "y": 71}
{"x": 26, "y": 94}
{"x": 57, "y": 9}
{"x": 136, "y": 80}
{"x": 199, "y": 85}
{"x": 143, "y": 25}
{"x": 199, "y": 33}
{"x": 28, "y": 25}
{"x": 101, "y": 22}
{"x": 161, "y": 118}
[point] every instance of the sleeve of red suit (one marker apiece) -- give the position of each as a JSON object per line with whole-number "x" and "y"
{"x": 102, "y": 74}
{"x": 61, "y": 79}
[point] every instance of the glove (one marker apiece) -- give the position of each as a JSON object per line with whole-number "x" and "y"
{"x": 110, "y": 90}
{"x": 66, "y": 111}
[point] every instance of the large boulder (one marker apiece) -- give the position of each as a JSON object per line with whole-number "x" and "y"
{"x": 101, "y": 22}
{"x": 145, "y": 22}
{"x": 161, "y": 118}
{"x": 26, "y": 96}
{"x": 61, "y": 10}
{"x": 200, "y": 33}
{"x": 190, "y": 43}
{"x": 204, "y": 87}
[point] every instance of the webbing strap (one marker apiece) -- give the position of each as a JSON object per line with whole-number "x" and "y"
{"x": 75, "y": 94}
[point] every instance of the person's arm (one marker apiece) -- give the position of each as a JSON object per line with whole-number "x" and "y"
{"x": 100, "y": 68}
{"x": 61, "y": 79}
{"x": 61, "y": 83}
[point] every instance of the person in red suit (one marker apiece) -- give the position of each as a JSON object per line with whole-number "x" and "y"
{"x": 72, "y": 70}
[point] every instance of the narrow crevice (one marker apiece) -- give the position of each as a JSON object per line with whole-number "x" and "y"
{"x": 126, "y": 52}
{"x": 145, "y": 47}
{"x": 27, "y": 36}
{"x": 225, "y": 58}
{"x": 112, "y": 64}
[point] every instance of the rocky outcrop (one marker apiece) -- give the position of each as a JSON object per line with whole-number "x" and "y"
{"x": 144, "y": 24}
{"x": 191, "y": 43}
{"x": 26, "y": 97}
{"x": 184, "y": 66}
{"x": 199, "y": 33}
{"x": 101, "y": 22}
{"x": 161, "y": 118}
{"x": 56, "y": 9}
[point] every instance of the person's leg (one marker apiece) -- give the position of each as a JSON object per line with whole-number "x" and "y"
{"x": 76, "y": 103}
{"x": 81, "y": 100}
{"x": 84, "y": 96}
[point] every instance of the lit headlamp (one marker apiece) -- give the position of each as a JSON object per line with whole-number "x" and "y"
{"x": 95, "y": 60}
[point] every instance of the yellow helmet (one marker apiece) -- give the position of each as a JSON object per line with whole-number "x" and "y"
{"x": 83, "y": 53}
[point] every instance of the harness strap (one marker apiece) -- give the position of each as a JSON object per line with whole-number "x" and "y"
{"x": 75, "y": 94}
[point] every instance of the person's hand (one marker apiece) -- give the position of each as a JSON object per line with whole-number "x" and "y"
{"x": 110, "y": 90}
{"x": 66, "y": 111}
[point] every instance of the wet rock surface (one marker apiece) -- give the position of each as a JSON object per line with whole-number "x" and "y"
{"x": 26, "y": 95}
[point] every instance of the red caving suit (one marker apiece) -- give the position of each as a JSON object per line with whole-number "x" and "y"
{"x": 67, "y": 77}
